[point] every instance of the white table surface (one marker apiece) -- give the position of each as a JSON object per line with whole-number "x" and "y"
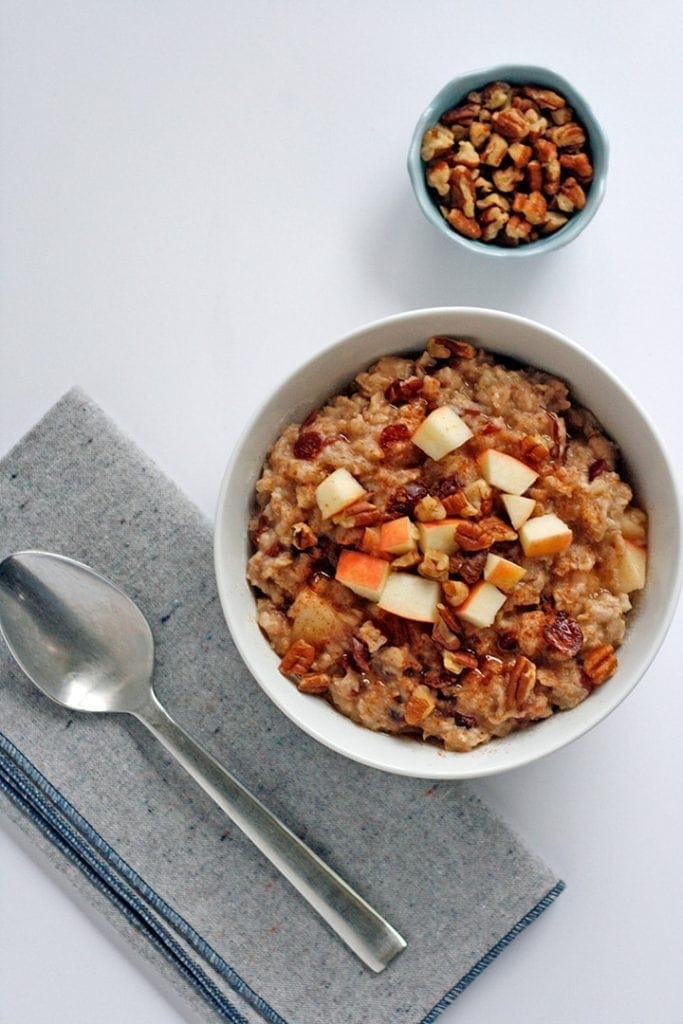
{"x": 197, "y": 195}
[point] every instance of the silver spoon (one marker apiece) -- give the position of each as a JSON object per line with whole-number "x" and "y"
{"x": 88, "y": 647}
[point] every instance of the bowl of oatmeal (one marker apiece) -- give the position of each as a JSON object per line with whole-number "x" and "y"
{"x": 509, "y": 161}
{"x": 449, "y": 544}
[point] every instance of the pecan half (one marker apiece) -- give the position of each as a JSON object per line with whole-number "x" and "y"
{"x": 314, "y": 682}
{"x": 600, "y": 663}
{"x": 472, "y": 536}
{"x": 521, "y": 681}
{"x": 298, "y": 659}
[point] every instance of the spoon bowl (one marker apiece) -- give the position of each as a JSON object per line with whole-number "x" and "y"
{"x": 77, "y": 636}
{"x": 88, "y": 647}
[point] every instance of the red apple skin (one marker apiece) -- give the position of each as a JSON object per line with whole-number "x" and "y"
{"x": 364, "y": 574}
{"x": 397, "y": 536}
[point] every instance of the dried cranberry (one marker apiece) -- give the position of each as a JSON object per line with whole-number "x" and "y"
{"x": 393, "y": 434}
{"x": 596, "y": 468}
{"x": 325, "y": 557}
{"x": 445, "y": 487}
{"x": 308, "y": 445}
{"x": 468, "y": 567}
{"x": 404, "y": 499}
{"x": 563, "y": 634}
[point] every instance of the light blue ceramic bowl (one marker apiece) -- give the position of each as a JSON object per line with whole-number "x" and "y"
{"x": 517, "y": 74}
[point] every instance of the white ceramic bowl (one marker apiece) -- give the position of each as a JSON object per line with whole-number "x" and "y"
{"x": 595, "y": 387}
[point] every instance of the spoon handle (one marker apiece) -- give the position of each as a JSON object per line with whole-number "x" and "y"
{"x": 355, "y": 922}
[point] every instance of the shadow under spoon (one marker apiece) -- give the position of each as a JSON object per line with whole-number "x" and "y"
{"x": 88, "y": 647}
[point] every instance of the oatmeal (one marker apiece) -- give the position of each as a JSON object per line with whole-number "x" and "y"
{"x": 446, "y": 548}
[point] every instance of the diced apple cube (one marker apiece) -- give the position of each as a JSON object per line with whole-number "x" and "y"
{"x": 502, "y": 573}
{"x": 482, "y": 605}
{"x": 544, "y": 535}
{"x": 441, "y": 432}
{"x": 336, "y": 492}
{"x": 505, "y": 472}
{"x": 398, "y": 536}
{"x": 411, "y": 597}
{"x": 438, "y": 536}
{"x": 518, "y": 508}
{"x": 364, "y": 574}
{"x": 631, "y": 566}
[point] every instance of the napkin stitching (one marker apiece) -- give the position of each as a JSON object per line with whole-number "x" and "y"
{"x": 60, "y": 834}
{"x": 489, "y": 957}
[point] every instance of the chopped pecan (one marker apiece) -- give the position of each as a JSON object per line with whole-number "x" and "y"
{"x": 429, "y": 509}
{"x": 467, "y": 226}
{"x": 493, "y": 221}
{"x": 466, "y": 155}
{"x": 494, "y": 151}
{"x": 446, "y": 630}
{"x": 458, "y": 504}
{"x": 533, "y": 451}
{"x": 498, "y": 530}
{"x": 553, "y": 221}
{"x": 407, "y": 561}
{"x": 437, "y": 347}
{"x": 569, "y": 134}
{"x": 455, "y": 592}
{"x": 507, "y": 178}
{"x": 563, "y": 115}
{"x": 533, "y": 206}
{"x": 558, "y": 431}
{"x": 314, "y": 682}
{"x": 436, "y": 140}
{"x": 298, "y": 659}
{"x": 544, "y": 97}
{"x": 518, "y": 228}
{"x": 458, "y": 348}
{"x": 534, "y": 176}
{"x": 459, "y": 660}
{"x": 439, "y": 177}
{"x": 462, "y": 190}
{"x": 570, "y": 196}
{"x": 463, "y": 114}
{"x": 401, "y": 391}
{"x": 511, "y": 124}
{"x": 520, "y": 154}
{"x": 420, "y": 704}
{"x": 496, "y": 95}
{"x": 471, "y": 536}
{"x": 434, "y": 565}
{"x": 600, "y": 663}
{"x": 563, "y": 634}
{"x": 521, "y": 681}
{"x": 303, "y": 537}
{"x": 371, "y": 636}
{"x": 578, "y": 164}
{"x": 479, "y": 133}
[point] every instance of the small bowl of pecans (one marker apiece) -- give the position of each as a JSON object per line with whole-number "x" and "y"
{"x": 509, "y": 161}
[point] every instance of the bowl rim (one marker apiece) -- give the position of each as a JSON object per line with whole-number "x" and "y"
{"x": 521, "y": 73}
{"x": 452, "y": 765}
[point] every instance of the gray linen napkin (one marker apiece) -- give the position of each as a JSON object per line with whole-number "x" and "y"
{"x": 182, "y": 885}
